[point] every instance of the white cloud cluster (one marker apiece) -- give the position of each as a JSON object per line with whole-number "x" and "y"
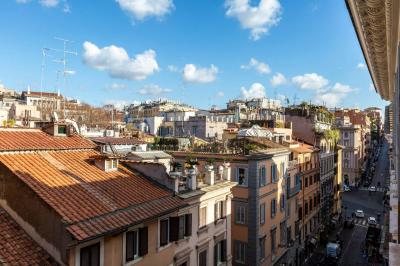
{"x": 141, "y": 9}
{"x": 361, "y": 66}
{"x": 49, "y": 3}
{"x": 311, "y": 81}
{"x": 258, "y": 19}
{"x": 153, "y": 89}
{"x": 116, "y": 86}
{"x": 120, "y": 104}
{"x": 332, "y": 96}
{"x": 256, "y": 90}
{"x": 220, "y": 94}
{"x": 192, "y": 73}
{"x": 116, "y": 61}
{"x": 258, "y": 66}
{"x": 278, "y": 79}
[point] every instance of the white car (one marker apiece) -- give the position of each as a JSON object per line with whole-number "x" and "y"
{"x": 360, "y": 213}
{"x": 372, "y": 188}
{"x": 372, "y": 221}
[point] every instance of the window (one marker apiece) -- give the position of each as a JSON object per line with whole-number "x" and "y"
{"x": 305, "y": 182}
{"x": 273, "y": 173}
{"x": 241, "y": 176}
{"x": 262, "y": 213}
{"x": 262, "y": 176}
{"x": 282, "y": 203}
{"x": 90, "y": 255}
{"x": 310, "y": 179}
{"x": 136, "y": 244}
{"x": 240, "y": 214}
{"x": 310, "y": 204}
{"x": 220, "y": 252}
{"x": 283, "y": 231}
{"x": 240, "y": 252}
{"x": 219, "y": 210}
{"x": 306, "y": 208}
{"x": 203, "y": 217}
{"x": 62, "y": 129}
{"x": 262, "y": 247}
{"x": 203, "y": 258}
{"x": 273, "y": 208}
{"x": 164, "y": 232}
{"x": 273, "y": 240}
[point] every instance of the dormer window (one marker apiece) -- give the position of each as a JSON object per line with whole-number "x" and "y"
{"x": 111, "y": 165}
{"x": 62, "y": 130}
{"x": 106, "y": 163}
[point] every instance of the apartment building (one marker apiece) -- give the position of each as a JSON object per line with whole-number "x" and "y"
{"x": 389, "y": 118}
{"x": 315, "y": 125}
{"x": 305, "y": 158}
{"x": 207, "y": 194}
{"x": 259, "y": 212}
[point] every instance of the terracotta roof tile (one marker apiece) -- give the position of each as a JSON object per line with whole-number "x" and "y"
{"x": 35, "y": 139}
{"x": 86, "y": 196}
{"x": 17, "y": 248}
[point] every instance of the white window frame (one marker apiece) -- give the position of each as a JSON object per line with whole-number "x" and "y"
{"x": 263, "y": 176}
{"x": 137, "y": 258}
{"x": 242, "y": 214}
{"x": 220, "y": 215}
{"x": 205, "y": 218}
{"x": 86, "y": 244}
{"x": 262, "y": 213}
{"x": 246, "y": 173}
{"x": 239, "y": 247}
{"x": 159, "y": 247}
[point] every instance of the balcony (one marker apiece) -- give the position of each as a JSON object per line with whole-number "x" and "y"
{"x": 292, "y": 191}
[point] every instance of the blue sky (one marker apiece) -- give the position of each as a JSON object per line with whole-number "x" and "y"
{"x": 200, "y": 52}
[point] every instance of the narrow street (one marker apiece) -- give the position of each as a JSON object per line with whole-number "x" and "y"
{"x": 371, "y": 204}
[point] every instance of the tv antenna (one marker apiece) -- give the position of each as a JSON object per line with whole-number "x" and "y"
{"x": 42, "y": 69}
{"x": 64, "y": 62}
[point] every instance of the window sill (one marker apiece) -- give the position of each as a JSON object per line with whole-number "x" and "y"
{"x": 202, "y": 230}
{"x": 132, "y": 262}
{"x": 219, "y": 221}
{"x": 180, "y": 241}
{"x": 163, "y": 247}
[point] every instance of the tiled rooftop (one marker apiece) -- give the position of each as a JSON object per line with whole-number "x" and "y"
{"x": 14, "y": 139}
{"x": 90, "y": 200}
{"x": 17, "y": 248}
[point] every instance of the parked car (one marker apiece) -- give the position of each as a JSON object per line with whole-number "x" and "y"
{"x": 372, "y": 188}
{"x": 372, "y": 221}
{"x": 359, "y": 214}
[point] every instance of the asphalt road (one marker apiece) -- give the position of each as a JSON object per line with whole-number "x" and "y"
{"x": 371, "y": 204}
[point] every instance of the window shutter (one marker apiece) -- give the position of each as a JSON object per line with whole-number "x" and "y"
{"x": 173, "y": 228}
{"x": 223, "y": 250}
{"x": 129, "y": 246}
{"x": 143, "y": 241}
{"x": 188, "y": 224}
{"x": 216, "y": 211}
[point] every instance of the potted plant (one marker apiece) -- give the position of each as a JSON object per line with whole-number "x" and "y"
{"x": 210, "y": 164}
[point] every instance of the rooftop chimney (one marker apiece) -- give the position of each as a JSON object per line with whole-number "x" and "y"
{"x": 226, "y": 174}
{"x": 192, "y": 178}
{"x": 210, "y": 175}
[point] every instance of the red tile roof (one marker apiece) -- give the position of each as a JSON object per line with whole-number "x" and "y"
{"x": 14, "y": 139}
{"x": 118, "y": 141}
{"x": 17, "y": 248}
{"x": 90, "y": 201}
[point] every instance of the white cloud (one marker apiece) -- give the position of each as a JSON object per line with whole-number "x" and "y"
{"x": 278, "y": 79}
{"x": 116, "y": 61}
{"x": 258, "y": 19}
{"x": 333, "y": 96}
{"x": 192, "y": 73}
{"x": 140, "y": 9}
{"x": 66, "y": 8}
{"x": 281, "y": 98}
{"x": 153, "y": 89}
{"x": 220, "y": 94}
{"x": 260, "y": 67}
{"x": 361, "y": 66}
{"x": 119, "y": 104}
{"x": 22, "y": 1}
{"x": 256, "y": 90}
{"x": 311, "y": 81}
{"x": 173, "y": 68}
{"x": 49, "y": 3}
{"x": 116, "y": 86}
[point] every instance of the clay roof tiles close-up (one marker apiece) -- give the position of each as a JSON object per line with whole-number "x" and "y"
{"x": 16, "y": 246}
